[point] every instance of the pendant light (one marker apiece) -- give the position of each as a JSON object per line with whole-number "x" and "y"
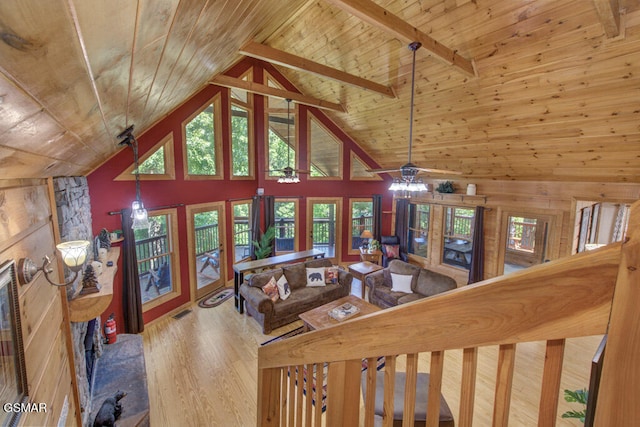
{"x": 139, "y": 214}
{"x": 288, "y": 173}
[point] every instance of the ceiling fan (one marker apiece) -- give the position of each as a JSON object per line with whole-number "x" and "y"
{"x": 288, "y": 173}
{"x": 409, "y": 170}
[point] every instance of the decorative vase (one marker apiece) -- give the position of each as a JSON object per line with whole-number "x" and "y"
{"x": 471, "y": 190}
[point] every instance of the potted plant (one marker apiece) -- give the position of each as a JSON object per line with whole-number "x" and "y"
{"x": 578, "y": 396}
{"x": 374, "y": 246}
{"x": 445, "y": 187}
{"x": 264, "y": 246}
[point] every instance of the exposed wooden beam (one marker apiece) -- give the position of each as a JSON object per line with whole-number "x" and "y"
{"x": 270, "y": 54}
{"x": 379, "y": 17}
{"x": 609, "y": 14}
{"x": 232, "y": 82}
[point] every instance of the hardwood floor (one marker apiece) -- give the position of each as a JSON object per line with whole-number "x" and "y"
{"x": 202, "y": 371}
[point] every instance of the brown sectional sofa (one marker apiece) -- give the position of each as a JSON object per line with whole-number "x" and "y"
{"x": 272, "y": 315}
{"x": 424, "y": 283}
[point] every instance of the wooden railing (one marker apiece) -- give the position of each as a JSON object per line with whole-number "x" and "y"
{"x": 570, "y": 297}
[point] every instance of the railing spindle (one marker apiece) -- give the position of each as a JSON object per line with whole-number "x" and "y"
{"x": 370, "y": 392}
{"x": 299, "y": 397}
{"x": 551, "y": 376}
{"x": 435, "y": 388}
{"x": 318, "y": 367}
{"x": 389, "y": 385}
{"x": 504, "y": 381}
{"x": 308, "y": 387}
{"x": 468, "y": 386}
{"x": 409, "y": 409}
{"x": 291, "y": 403}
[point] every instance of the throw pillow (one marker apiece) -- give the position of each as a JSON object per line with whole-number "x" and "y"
{"x": 331, "y": 275}
{"x": 271, "y": 289}
{"x": 401, "y": 283}
{"x": 392, "y": 251}
{"x": 315, "y": 277}
{"x": 283, "y": 287}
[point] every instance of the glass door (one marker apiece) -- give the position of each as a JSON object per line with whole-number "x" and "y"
{"x": 324, "y": 226}
{"x": 206, "y": 248}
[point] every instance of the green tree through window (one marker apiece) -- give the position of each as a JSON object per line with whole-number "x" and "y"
{"x": 201, "y": 146}
{"x": 239, "y": 141}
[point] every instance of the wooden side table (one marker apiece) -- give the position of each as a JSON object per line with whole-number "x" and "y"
{"x": 361, "y": 270}
{"x": 374, "y": 257}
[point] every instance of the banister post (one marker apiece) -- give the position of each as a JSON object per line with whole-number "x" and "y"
{"x": 269, "y": 397}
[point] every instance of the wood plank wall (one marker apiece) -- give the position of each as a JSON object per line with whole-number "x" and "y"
{"x": 556, "y": 199}
{"x": 26, "y": 229}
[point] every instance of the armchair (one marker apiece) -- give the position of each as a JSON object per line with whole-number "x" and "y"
{"x": 386, "y": 244}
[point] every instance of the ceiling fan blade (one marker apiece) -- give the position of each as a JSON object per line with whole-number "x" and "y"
{"x": 383, "y": 170}
{"x": 440, "y": 171}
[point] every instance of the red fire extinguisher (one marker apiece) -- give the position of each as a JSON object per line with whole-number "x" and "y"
{"x": 110, "y": 329}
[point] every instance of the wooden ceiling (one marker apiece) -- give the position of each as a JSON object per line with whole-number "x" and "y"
{"x": 505, "y": 89}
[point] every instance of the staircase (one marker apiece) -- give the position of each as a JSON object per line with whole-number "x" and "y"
{"x": 591, "y": 293}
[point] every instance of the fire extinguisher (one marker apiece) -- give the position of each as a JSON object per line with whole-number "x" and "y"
{"x": 110, "y": 329}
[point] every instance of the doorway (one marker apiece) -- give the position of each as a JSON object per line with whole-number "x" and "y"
{"x": 325, "y": 226}
{"x": 527, "y": 239}
{"x": 205, "y": 224}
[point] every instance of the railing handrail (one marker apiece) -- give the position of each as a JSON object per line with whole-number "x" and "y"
{"x": 471, "y": 316}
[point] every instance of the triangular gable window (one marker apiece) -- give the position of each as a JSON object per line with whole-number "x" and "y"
{"x": 156, "y": 164}
{"x": 358, "y": 170}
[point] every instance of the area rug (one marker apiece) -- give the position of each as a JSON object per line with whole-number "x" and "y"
{"x": 379, "y": 366}
{"x": 216, "y": 298}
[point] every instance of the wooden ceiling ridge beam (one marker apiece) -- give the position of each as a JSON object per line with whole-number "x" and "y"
{"x": 276, "y": 56}
{"x": 377, "y": 16}
{"x": 232, "y": 82}
{"x": 609, "y": 14}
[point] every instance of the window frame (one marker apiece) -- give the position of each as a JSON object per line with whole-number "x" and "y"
{"x": 248, "y": 107}
{"x": 233, "y": 231}
{"x": 353, "y": 200}
{"x": 169, "y": 163}
{"x": 216, "y": 102}
{"x": 174, "y": 254}
{"x": 311, "y": 118}
{"x": 444, "y": 236}
{"x": 429, "y": 231}
{"x": 296, "y": 222}
{"x": 295, "y": 134}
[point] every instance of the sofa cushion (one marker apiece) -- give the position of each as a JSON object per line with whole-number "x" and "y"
{"x": 283, "y": 288}
{"x": 403, "y": 268}
{"x": 430, "y": 283}
{"x": 296, "y": 275}
{"x": 271, "y": 289}
{"x": 401, "y": 283}
{"x": 315, "y": 277}
{"x": 319, "y": 262}
{"x": 258, "y": 280}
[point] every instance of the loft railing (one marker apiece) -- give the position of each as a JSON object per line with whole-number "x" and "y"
{"x": 570, "y": 297}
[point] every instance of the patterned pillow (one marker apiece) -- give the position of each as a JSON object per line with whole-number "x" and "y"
{"x": 315, "y": 277}
{"x": 283, "y": 288}
{"x": 392, "y": 251}
{"x": 271, "y": 289}
{"x": 331, "y": 275}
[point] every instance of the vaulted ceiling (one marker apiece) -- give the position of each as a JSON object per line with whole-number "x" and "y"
{"x": 505, "y": 89}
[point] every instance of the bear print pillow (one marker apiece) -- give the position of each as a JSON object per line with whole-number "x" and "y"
{"x": 315, "y": 277}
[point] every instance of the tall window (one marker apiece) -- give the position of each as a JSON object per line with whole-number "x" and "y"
{"x": 157, "y": 260}
{"x": 281, "y": 141}
{"x": 286, "y": 212}
{"x": 360, "y": 219}
{"x": 418, "y": 239}
{"x": 241, "y": 153}
{"x": 241, "y": 230}
{"x": 325, "y": 151}
{"x": 458, "y": 236}
{"x": 202, "y": 136}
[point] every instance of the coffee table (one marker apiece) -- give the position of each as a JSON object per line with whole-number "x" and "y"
{"x": 361, "y": 270}
{"x": 319, "y": 318}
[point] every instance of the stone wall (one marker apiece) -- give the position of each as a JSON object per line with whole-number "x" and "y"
{"x": 74, "y": 222}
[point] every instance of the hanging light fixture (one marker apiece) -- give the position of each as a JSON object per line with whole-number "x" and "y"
{"x": 288, "y": 173}
{"x": 139, "y": 214}
{"x": 408, "y": 181}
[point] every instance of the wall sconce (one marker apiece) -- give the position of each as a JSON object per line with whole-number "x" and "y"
{"x": 73, "y": 253}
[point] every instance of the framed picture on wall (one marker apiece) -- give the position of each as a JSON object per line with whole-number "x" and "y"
{"x": 13, "y": 375}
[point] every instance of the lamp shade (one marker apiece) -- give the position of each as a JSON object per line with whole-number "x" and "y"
{"x": 74, "y": 253}
{"x": 366, "y": 234}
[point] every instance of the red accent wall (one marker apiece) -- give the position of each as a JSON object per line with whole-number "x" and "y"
{"x": 108, "y": 195}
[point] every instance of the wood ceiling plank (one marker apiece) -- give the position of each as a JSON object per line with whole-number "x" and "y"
{"x": 379, "y": 17}
{"x": 269, "y": 54}
{"x": 279, "y": 93}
